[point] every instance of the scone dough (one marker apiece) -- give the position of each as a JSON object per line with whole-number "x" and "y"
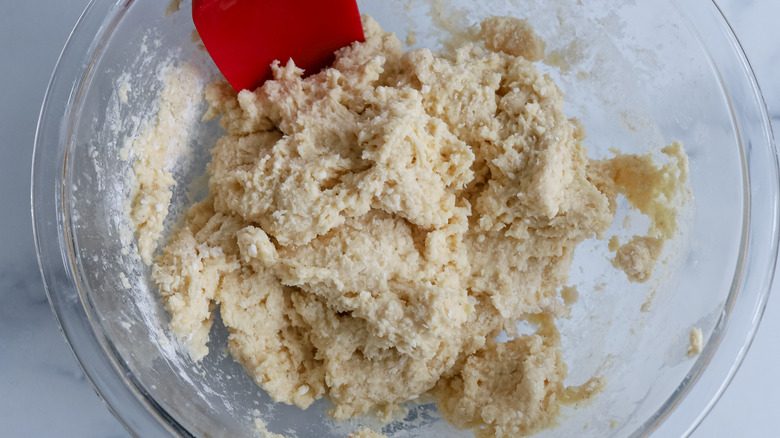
{"x": 372, "y": 228}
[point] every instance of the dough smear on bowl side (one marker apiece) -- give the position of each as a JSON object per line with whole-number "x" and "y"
{"x": 372, "y": 228}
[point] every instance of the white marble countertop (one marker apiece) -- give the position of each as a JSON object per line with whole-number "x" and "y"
{"x": 44, "y": 393}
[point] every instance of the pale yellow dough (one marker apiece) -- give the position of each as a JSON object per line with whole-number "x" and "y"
{"x": 370, "y": 230}
{"x": 151, "y": 182}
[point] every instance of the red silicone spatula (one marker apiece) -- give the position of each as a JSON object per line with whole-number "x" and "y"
{"x": 244, "y": 37}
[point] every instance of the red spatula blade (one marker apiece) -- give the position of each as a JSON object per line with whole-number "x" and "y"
{"x": 244, "y": 37}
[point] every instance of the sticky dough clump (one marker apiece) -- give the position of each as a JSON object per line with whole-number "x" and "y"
{"x": 372, "y": 228}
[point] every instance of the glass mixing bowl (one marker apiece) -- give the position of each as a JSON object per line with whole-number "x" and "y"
{"x": 638, "y": 74}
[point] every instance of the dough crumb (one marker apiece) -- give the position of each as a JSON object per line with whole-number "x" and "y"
{"x": 173, "y": 6}
{"x": 513, "y": 36}
{"x": 124, "y": 280}
{"x": 614, "y": 243}
{"x": 584, "y": 392}
{"x": 262, "y": 430}
{"x": 695, "y": 342}
{"x": 569, "y": 294}
{"x": 567, "y": 57}
{"x": 411, "y": 38}
{"x": 638, "y": 257}
{"x": 366, "y": 433}
{"x": 124, "y": 88}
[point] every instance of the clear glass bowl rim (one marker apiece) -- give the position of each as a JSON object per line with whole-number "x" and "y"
{"x": 142, "y": 416}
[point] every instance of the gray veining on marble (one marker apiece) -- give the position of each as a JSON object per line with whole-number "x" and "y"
{"x": 44, "y": 393}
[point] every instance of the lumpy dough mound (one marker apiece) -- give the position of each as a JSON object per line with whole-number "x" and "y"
{"x": 372, "y": 228}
